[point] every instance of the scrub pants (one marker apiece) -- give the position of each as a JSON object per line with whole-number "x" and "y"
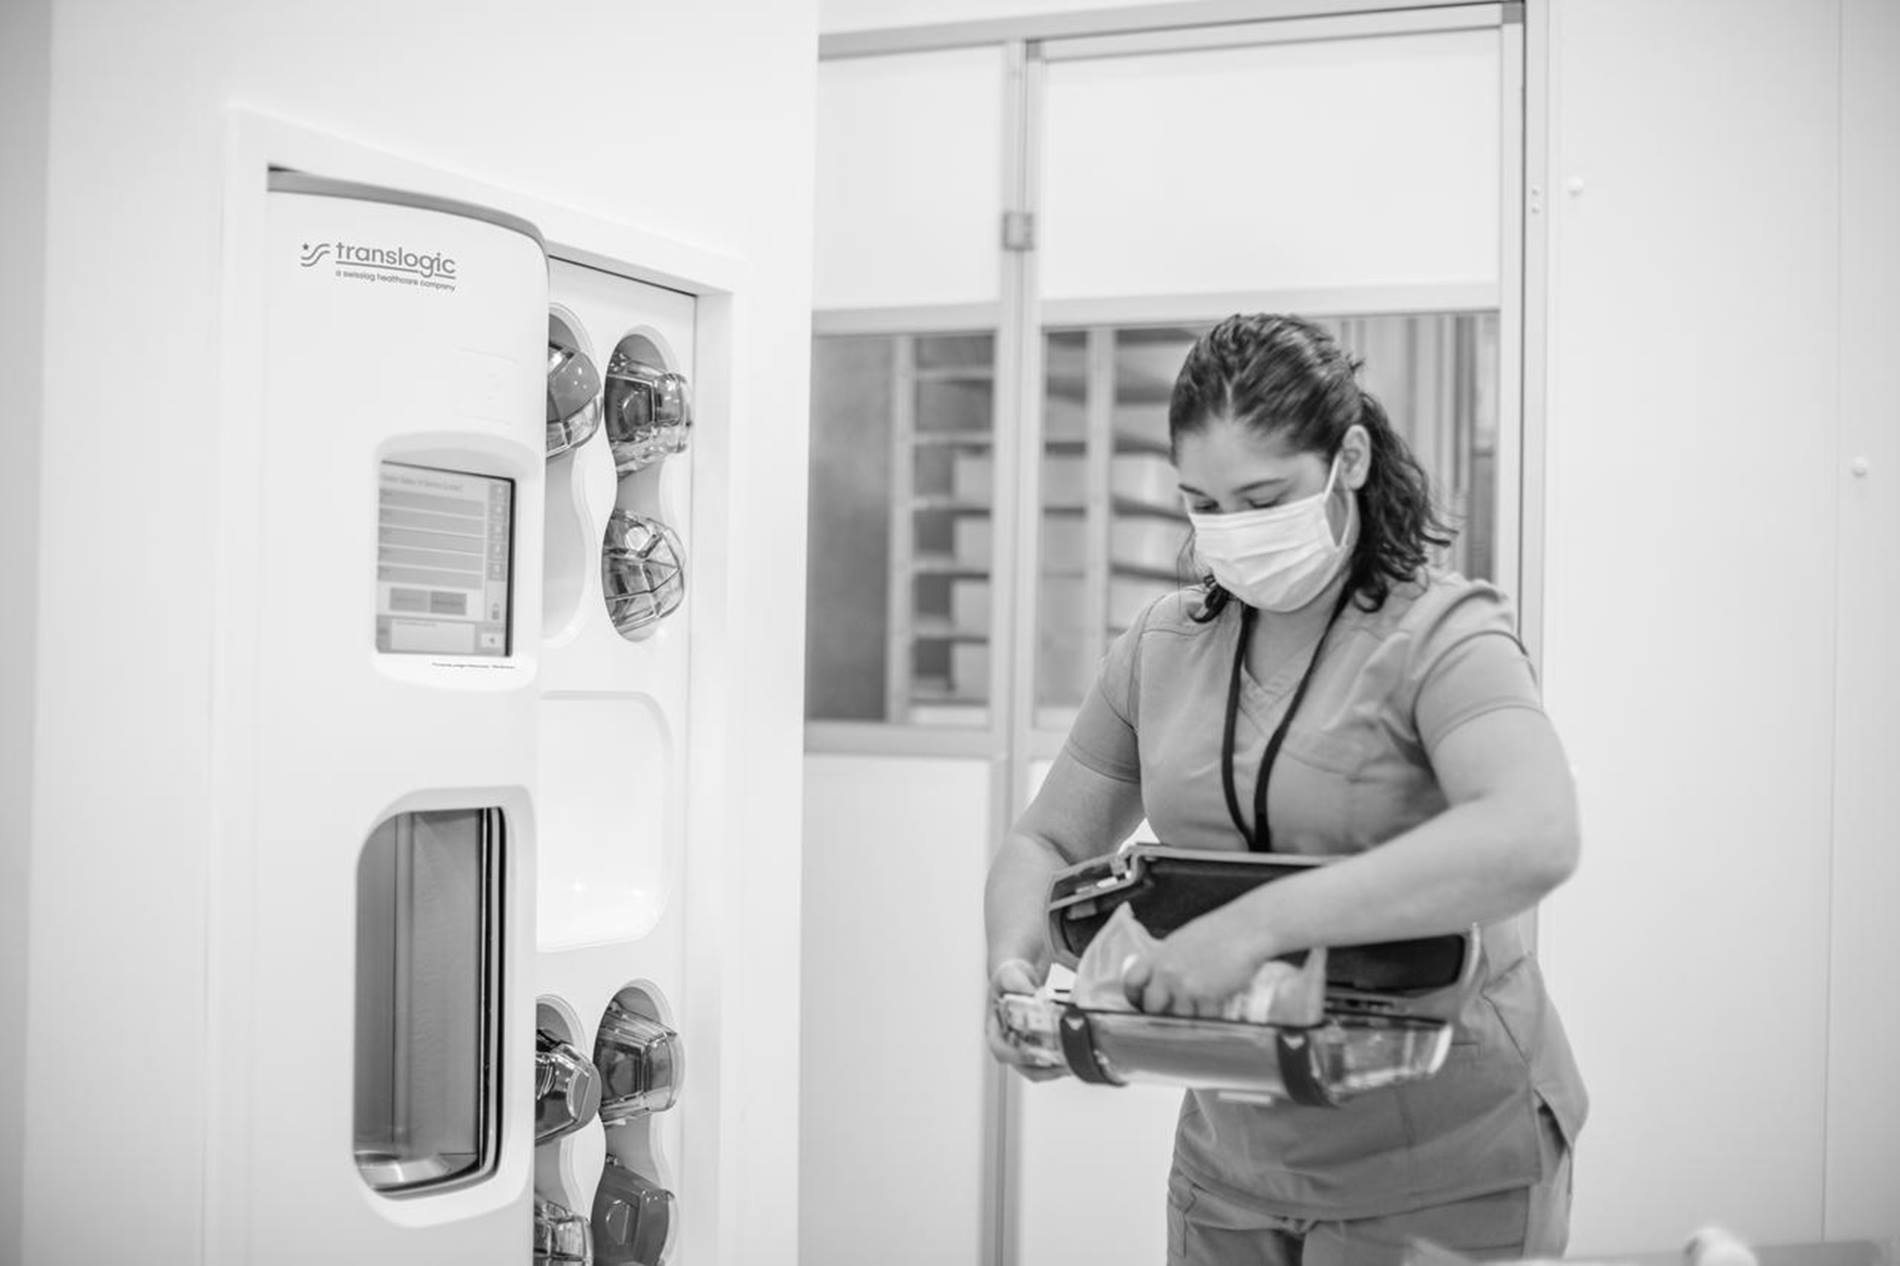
{"x": 1205, "y": 1229}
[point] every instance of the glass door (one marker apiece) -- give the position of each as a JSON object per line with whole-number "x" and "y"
{"x": 1018, "y": 242}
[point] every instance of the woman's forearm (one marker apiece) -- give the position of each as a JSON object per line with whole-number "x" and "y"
{"x": 1015, "y": 899}
{"x": 1477, "y": 862}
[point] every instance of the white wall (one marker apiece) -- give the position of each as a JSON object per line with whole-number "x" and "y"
{"x": 1695, "y": 478}
{"x": 894, "y": 1119}
{"x": 863, "y": 15}
{"x": 1297, "y": 208}
{"x": 909, "y": 179}
{"x": 1863, "y": 1124}
{"x": 670, "y": 117}
{"x": 25, "y": 56}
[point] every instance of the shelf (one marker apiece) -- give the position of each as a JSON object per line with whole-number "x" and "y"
{"x": 1150, "y": 395}
{"x": 941, "y": 630}
{"x": 947, "y": 565}
{"x": 1137, "y": 571}
{"x": 935, "y": 691}
{"x": 1147, "y": 509}
{"x": 955, "y": 373}
{"x": 1126, "y": 443}
{"x": 1146, "y": 367}
{"x": 953, "y": 439}
{"x": 944, "y": 503}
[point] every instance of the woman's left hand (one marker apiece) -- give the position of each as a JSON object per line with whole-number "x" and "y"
{"x": 1197, "y": 969}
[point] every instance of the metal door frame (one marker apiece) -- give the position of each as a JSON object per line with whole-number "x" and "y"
{"x": 1011, "y": 742}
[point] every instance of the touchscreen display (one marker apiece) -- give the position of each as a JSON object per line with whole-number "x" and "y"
{"x": 444, "y": 552}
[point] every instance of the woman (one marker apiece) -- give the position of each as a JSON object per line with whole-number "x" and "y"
{"x": 1326, "y": 692}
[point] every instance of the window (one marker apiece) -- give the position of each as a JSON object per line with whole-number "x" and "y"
{"x": 428, "y": 999}
{"x": 903, "y": 483}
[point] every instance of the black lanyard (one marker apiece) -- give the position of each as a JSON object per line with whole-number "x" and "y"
{"x": 1260, "y": 839}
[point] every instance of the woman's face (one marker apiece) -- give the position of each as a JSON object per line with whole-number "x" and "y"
{"x": 1226, "y": 468}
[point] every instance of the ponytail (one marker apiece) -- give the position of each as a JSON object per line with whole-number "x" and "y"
{"x": 1399, "y": 526}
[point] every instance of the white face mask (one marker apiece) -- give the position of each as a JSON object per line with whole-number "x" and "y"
{"x": 1280, "y": 558}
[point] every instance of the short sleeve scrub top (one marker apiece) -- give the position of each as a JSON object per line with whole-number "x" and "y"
{"x": 1354, "y": 770}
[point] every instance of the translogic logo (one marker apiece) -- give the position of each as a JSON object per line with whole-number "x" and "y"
{"x": 386, "y": 265}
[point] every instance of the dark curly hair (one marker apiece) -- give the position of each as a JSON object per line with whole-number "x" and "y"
{"x": 1282, "y": 375}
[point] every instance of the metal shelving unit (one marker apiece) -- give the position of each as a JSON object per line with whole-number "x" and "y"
{"x": 1120, "y": 405}
{"x": 937, "y": 665}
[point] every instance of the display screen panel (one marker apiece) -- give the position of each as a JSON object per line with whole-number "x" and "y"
{"x": 444, "y": 558}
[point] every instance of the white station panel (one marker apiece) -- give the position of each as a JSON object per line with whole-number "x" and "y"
{"x": 615, "y": 698}
{"x": 910, "y": 179}
{"x": 1312, "y": 166}
{"x": 393, "y": 649}
{"x": 614, "y": 710}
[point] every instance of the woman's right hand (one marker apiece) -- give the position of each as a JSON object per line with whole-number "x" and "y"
{"x": 1014, "y": 976}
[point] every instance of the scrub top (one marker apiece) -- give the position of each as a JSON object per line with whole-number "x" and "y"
{"x": 1355, "y": 770}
